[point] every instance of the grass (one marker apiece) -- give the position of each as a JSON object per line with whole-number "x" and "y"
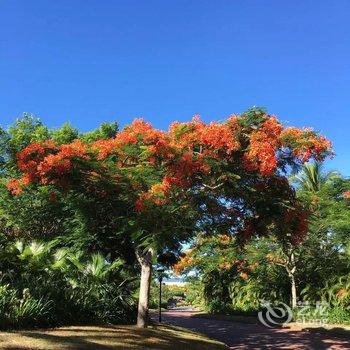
{"x": 108, "y": 338}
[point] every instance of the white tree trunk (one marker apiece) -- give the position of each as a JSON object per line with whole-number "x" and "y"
{"x": 145, "y": 260}
{"x": 294, "y": 292}
{"x": 291, "y": 271}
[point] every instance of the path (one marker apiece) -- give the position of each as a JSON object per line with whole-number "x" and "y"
{"x": 240, "y": 336}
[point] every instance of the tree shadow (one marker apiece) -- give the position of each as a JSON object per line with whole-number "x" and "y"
{"x": 335, "y": 331}
{"x": 155, "y": 338}
{"x": 253, "y": 336}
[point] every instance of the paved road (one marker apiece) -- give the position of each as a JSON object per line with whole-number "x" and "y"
{"x": 240, "y": 336}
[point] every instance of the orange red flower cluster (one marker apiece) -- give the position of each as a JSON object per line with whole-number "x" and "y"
{"x": 54, "y": 166}
{"x": 263, "y": 145}
{"x": 209, "y": 139}
{"x": 138, "y": 133}
{"x": 176, "y": 158}
{"x": 157, "y": 194}
{"x": 346, "y": 194}
{"x": 306, "y": 144}
{"x": 186, "y": 261}
{"x": 15, "y": 186}
{"x": 46, "y": 162}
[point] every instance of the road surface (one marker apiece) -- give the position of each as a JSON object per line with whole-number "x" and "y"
{"x": 240, "y": 336}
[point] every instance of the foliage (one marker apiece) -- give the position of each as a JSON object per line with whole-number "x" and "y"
{"x": 195, "y": 292}
{"x": 23, "y": 311}
{"x": 235, "y": 280}
{"x": 169, "y": 292}
{"x": 42, "y": 285}
{"x": 230, "y": 162}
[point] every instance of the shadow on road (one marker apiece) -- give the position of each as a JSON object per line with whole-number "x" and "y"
{"x": 254, "y": 336}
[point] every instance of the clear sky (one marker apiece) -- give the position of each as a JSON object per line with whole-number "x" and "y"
{"x": 89, "y": 61}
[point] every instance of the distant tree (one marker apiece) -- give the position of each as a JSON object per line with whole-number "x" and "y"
{"x": 22, "y": 133}
{"x": 65, "y": 134}
{"x": 103, "y": 132}
{"x": 307, "y": 266}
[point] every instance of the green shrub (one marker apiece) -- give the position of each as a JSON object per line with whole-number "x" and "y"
{"x": 45, "y": 287}
{"x": 217, "y": 306}
{"x": 22, "y": 312}
{"x": 338, "y": 315}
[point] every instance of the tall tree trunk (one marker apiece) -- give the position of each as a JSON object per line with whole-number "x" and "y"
{"x": 145, "y": 260}
{"x": 291, "y": 268}
{"x": 294, "y": 291}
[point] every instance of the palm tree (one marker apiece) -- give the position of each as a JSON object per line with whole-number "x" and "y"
{"x": 312, "y": 177}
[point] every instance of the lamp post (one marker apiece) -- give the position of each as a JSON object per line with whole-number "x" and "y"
{"x": 160, "y": 279}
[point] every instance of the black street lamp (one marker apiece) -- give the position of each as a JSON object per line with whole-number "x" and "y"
{"x": 160, "y": 279}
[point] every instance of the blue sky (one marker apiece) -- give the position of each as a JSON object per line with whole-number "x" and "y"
{"x": 88, "y": 61}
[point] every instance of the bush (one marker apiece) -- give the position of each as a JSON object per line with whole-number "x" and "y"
{"x": 45, "y": 287}
{"x": 323, "y": 315}
{"x": 335, "y": 294}
{"x": 338, "y": 315}
{"x": 22, "y": 312}
{"x": 217, "y": 306}
{"x": 169, "y": 292}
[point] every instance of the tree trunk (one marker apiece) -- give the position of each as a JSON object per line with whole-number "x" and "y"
{"x": 294, "y": 292}
{"x": 145, "y": 260}
{"x": 291, "y": 273}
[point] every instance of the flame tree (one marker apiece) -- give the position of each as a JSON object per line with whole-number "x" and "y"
{"x": 227, "y": 177}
